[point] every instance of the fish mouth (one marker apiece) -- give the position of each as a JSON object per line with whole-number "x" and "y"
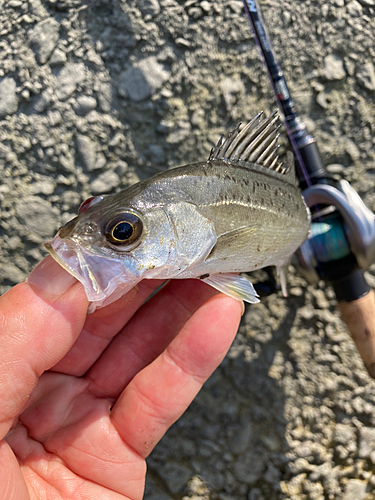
{"x": 103, "y": 281}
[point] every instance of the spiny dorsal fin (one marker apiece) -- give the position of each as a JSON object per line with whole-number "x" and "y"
{"x": 255, "y": 143}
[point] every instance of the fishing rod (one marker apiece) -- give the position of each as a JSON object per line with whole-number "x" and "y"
{"x": 341, "y": 245}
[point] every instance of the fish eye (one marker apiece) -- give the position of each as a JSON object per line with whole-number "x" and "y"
{"x": 124, "y": 229}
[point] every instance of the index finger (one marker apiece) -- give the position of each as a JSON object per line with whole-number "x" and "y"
{"x": 40, "y": 320}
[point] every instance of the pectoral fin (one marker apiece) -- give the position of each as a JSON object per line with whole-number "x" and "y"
{"x": 234, "y": 285}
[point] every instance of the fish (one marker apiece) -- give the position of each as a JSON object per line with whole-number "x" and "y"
{"x": 239, "y": 211}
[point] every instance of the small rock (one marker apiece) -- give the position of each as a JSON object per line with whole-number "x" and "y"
{"x": 105, "y": 96}
{"x": 355, "y": 490}
{"x": 205, "y": 6}
{"x": 100, "y": 161}
{"x": 175, "y": 475}
{"x": 197, "y": 118}
{"x": 43, "y": 39}
{"x": 321, "y": 99}
{"x": 13, "y": 273}
{"x": 14, "y": 242}
{"x": 343, "y": 434}
{"x": 37, "y": 216}
{"x": 121, "y": 168}
{"x": 339, "y": 3}
{"x": 182, "y": 42}
{"x": 149, "y": 7}
{"x": 45, "y": 187}
{"x": 236, "y": 6}
{"x": 87, "y": 151}
{"x": 239, "y": 437}
{"x": 85, "y": 104}
{"x": 156, "y": 153}
{"x": 230, "y": 87}
{"x": 333, "y": 68}
{"x": 45, "y": 98}
{"x": 255, "y": 494}
{"x": 68, "y": 79}
{"x": 105, "y": 183}
{"x": 249, "y": 468}
{"x": 321, "y": 299}
{"x": 54, "y": 117}
{"x": 366, "y": 442}
{"x": 8, "y": 97}
{"x": 58, "y": 58}
{"x": 141, "y": 81}
{"x": 352, "y": 150}
{"x": 286, "y": 17}
{"x": 366, "y": 76}
{"x": 335, "y": 168}
{"x": 354, "y": 9}
{"x": 367, "y": 3}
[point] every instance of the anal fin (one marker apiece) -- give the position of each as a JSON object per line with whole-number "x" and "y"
{"x": 281, "y": 273}
{"x": 234, "y": 285}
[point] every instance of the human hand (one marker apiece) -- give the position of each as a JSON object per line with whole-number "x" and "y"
{"x": 84, "y": 399}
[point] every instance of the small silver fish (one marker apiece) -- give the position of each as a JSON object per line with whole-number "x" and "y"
{"x": 239, "y": 211}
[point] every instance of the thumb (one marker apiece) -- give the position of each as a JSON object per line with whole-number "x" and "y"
{"x": 40, "y": 320}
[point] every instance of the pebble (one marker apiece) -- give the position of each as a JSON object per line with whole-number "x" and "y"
{"x": 239, "y": 437}
{"x": 343, "y": 434}
{"x": 43, "y": 39}
{"x": 37, "y": 216}
{"x": 58, "y": 58}
{"x": 143, "y": 80}
{"x": 366, "y": 443}
{"x": 87, "y": 151}
{"x": 105, "y": 182}
{"x": 105, "y": 96}
{"x": 69, "y": 77}
{"x": 236, "y": 6}
{"x": 157, "y": 154}
{"x": 354, "y": 9}
{"x": 335, "y": 168}
{"x": 367, "y": 3}
{"x": 333, "y": 68}
{"x": 8, "y": 97}
{"x": 45, "y": 187}
{"x": 54, "y": 117}
{"x": 13, "y": 273}
{"x": 352, "y": 150}
{"x": 250, "y": 468}
{"x": 366, "y": 76}
{"x": 84, "y": 104}
{"x": 149, "y": 7}
{"x": 175, "y": 475}
{"x": 355, "y": 490}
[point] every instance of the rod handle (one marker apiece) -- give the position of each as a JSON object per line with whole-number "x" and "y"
{"x": 359, "y": 316}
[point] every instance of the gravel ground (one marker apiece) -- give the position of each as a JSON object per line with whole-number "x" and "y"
{"x": 95, "y": 95}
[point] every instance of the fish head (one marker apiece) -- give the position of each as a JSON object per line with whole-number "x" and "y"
{"x": 109, "y": 247}
{"x": 114, "y": 243}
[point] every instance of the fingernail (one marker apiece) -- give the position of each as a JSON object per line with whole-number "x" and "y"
{"x": 51, "y": 278}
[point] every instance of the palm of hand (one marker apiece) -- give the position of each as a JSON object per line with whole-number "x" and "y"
{"x": 116, "y": 381}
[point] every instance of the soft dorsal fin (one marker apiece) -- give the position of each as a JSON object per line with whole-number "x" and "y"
{"x": 255, "y": 143}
